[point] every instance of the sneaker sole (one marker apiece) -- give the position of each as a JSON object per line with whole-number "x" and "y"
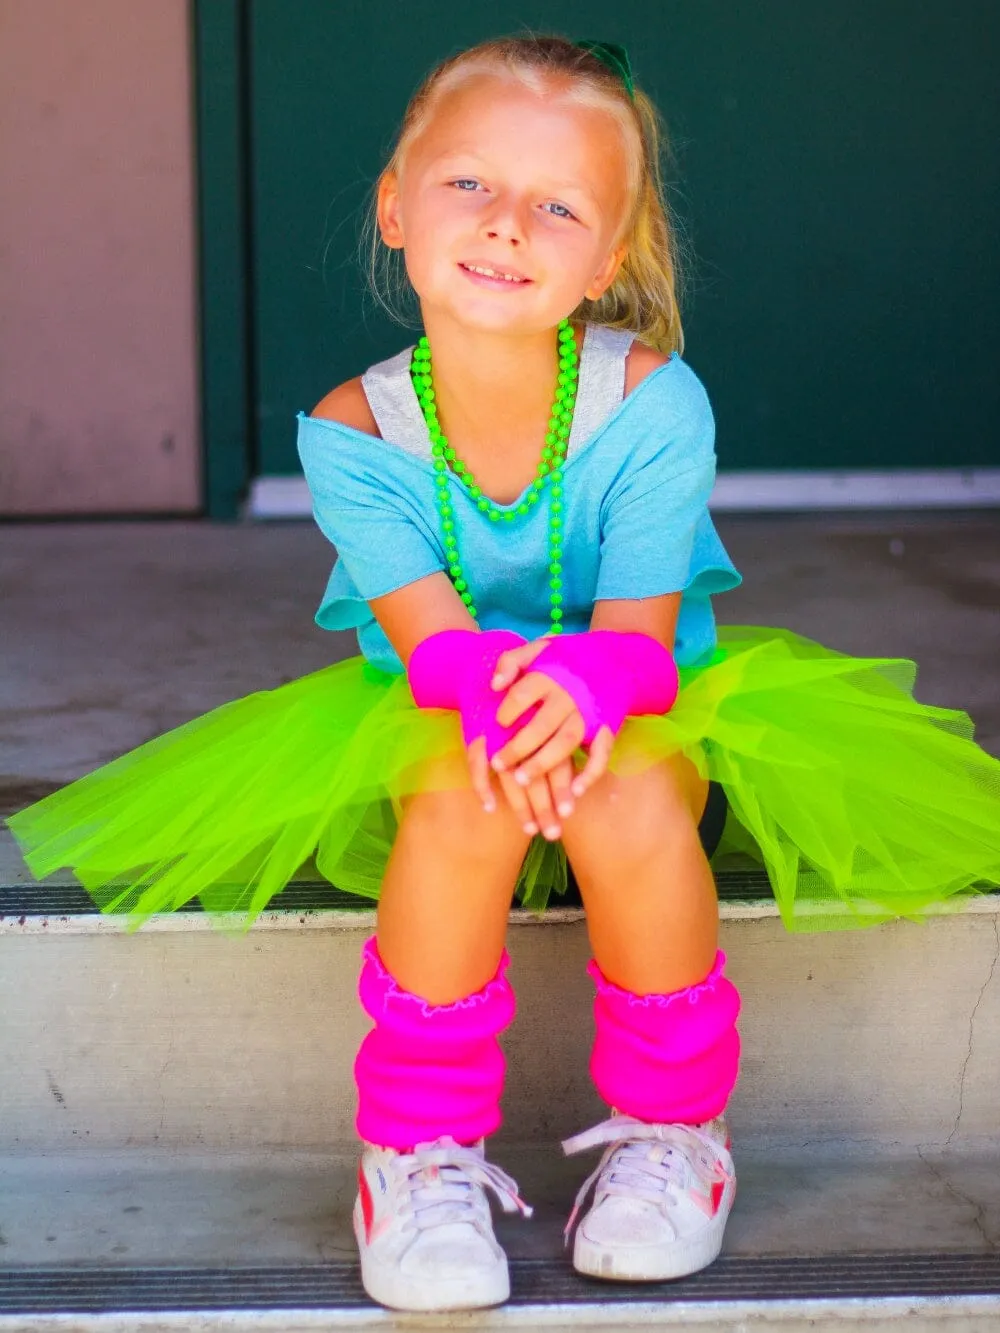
{"x": 649, "y": 1263}
{"x": 400, "y": 1291}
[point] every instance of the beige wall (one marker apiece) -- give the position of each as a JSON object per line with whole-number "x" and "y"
{"x": 98, "y": 409}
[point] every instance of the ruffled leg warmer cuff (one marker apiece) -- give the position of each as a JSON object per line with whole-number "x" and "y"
{"x": 671, "y": 1058}
{"x": 428, "y": 1070}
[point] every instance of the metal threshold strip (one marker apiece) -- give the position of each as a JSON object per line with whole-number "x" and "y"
{"x": 303, "y": 895}
{"x": 535, "y": 1283}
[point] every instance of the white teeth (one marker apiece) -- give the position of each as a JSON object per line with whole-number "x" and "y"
{"x": 492, "y": 273}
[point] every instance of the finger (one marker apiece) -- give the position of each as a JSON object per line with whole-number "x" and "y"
{"x": 530, "y": 689}
{"x": 517, "y": 799}
{"x": 543, "y": 809}
{"x": 561, "y": 782}
{"x": 534, "y": 734}
{"x": 479, "y": 772}
{"x": 597, "y": 762}
{"x": 556, "y": 750}
{"x": 514, "y": 660}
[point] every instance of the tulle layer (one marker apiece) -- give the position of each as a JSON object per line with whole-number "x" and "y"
{"x": 861, "y": 803}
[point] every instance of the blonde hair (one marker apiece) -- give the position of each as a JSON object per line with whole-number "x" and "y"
{"x": 644, "y": 295}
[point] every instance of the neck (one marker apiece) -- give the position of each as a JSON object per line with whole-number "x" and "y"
{"x": 497, "y": 382}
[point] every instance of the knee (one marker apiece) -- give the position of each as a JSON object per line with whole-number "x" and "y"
{"x": 454, "y": 819}
{"x": 635, "y": 815}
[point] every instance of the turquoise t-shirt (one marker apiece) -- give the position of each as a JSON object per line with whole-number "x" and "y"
{"x": 636, "y": 523}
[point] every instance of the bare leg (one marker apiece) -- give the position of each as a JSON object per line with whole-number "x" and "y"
{"x": 442, "y": 915}
{"x": 646, "y": 884}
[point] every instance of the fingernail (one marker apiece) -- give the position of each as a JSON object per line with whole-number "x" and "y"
{"x": 578, "y": 788}
{"x": 521, "y": 778}
{"x": 489, "y": 807}
{"x": 552, "y": 832}
{"x": 496, "y": 682}
{"x": 497, "y": 765}
{"x": 565, "y": 809}
{"x": 531, "y": 828}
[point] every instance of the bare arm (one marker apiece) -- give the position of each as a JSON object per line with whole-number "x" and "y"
{"x": 409, "y": 615}
{"x": 655, "y": 616}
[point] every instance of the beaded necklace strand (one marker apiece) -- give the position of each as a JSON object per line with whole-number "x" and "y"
{"x": 548, "y": 474}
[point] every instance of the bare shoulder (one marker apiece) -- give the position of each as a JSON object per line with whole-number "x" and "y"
{"x": 640, "y": 362}
{"x": 348, "y": 405}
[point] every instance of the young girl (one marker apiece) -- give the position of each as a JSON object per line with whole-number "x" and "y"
{"x": 519, "y": 508}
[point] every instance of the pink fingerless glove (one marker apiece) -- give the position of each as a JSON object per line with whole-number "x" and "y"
{"x": 453, "y": 669}
{"x": 611, "y": 675}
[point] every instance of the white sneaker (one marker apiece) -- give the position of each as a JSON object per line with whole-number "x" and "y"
{"x": 423, "y": 1226}
{"x": 661, "y": 1199}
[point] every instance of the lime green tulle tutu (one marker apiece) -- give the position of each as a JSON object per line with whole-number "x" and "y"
{"x": 861, "y": 803}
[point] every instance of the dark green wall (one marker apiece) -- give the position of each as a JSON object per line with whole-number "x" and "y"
{"x": 836, "y": 175}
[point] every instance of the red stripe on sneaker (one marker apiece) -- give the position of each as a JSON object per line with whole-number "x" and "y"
{"x": 718, "y": 1190}
{"x": 367, "y": 1206}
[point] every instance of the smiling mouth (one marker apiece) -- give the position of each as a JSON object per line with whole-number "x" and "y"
{"x": 499, "y": 275}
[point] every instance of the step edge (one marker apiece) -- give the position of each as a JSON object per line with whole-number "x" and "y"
{"x": 338, "y": 920}
{"x": 329, "y": 920}
{"x": 621, "y": 1314}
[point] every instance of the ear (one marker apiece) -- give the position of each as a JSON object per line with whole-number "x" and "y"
{"x": 387, "y": 210}
{"x": 606, "y": 274}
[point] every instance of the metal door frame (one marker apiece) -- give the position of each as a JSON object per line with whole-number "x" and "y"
{"x": 220, "y": 64}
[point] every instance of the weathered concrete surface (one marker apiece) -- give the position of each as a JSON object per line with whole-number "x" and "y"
{"x": 289, "y": 1208}
{"x": 115, "y": 632}
{"x": 878, "y": 1040}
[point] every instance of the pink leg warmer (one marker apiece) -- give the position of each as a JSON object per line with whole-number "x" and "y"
{"x": 427, "y": 1070}
{"x": 667, "y": 1059}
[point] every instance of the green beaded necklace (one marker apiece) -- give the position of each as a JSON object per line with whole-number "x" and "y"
{"x": 549, "y": 472}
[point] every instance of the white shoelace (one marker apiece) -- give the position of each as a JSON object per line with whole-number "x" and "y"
{"x": 439, "y": 1178}
{"x": 633, "y": 1170}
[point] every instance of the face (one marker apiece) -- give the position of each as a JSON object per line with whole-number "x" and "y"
{"x": 532, "y": 188}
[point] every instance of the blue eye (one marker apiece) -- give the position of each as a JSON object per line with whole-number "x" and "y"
{"x": 565, "y": 211}
{"x": 466, "y": 180}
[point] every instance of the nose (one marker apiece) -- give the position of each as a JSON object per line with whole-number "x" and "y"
{"x": 503, "y": 222}
{"x": 500, "y": 233}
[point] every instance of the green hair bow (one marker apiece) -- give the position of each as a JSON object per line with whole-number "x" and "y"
{"x": 616, "y": 59}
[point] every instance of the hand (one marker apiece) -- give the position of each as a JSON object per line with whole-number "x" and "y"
{"x": 535, "y": 806}
{"x": 543, "y": 785}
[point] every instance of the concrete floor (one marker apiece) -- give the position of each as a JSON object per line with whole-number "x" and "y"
{"x": 135, "y": 1209}
{"x": 114, "y": 632}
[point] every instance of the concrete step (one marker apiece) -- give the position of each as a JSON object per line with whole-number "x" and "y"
{"x": 206, "y": 1081}
{"x": 177, "y": 1145}
{"x": 181, "y": 1036}
{"x": 156, "y": 1240}
{"x": 881, "y": 1293}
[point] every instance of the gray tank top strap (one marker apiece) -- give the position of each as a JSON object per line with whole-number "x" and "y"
{"x": 397, "y": 413}
{"x": 601, "y": 386}
{"x": 394, "y": 405}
